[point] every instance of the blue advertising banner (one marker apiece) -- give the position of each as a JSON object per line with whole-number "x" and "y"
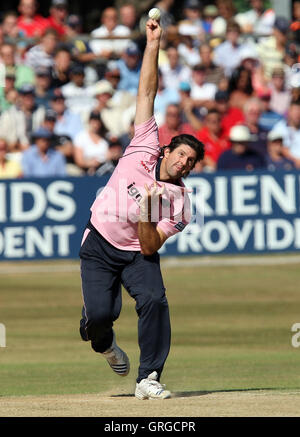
{"x": 233, "y": 212}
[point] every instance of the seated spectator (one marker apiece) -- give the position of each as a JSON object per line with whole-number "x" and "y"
{"x": 202, "y": 92}
{"x": 271, "y": 50}
{"x": 164, "y": 97}
{"x": 230, "y": 116}
{"x": 18, "y": 122}
{"x": 188, "y": 112}
{"x": 67, "y": 123}
{"x": 130, "y": 67}
{"x": 58, "y": 16}
{"x": 109, "y": 49}
{"x": 295, "y": 25}
{"x": 258, "y": 135}
{"x": 174, "y": 71}
{"x": 290, "y": 131}
{"x": 213, "y": 73}
{"x": 128, "y": 16}
{"x": 91, "y": 146}
{"x": 39, "y": 160}
{"x": 42, "y": 87}
{"x": 23, "y": 73}
{"x": 11, "y": 30}
{"x": 257, "y": 20}
{"x": 226, "y": 12}
{"x": 173, "y": 126}
{"x": 210, "y": 13}
{"x": 8, "y": 94}
{"x": 78, "y": 97}
{"x": 30, "y": 23}
{"x": 240, "y": 87}
{"x": 8, "y": 167}
{"x": 268, "y": 117}
{"x": 188, "y": 52}
{"x": 213, "y": 137}
{"x": 280, "y": 95}
{"x": 192, "y": 21}
{"x": 60, "y": 70}
{"x": 42, "y": 54}
{"x": 240, "y": 156}
{"x": 228, "y": 53}
{"x": 275, "y": 159}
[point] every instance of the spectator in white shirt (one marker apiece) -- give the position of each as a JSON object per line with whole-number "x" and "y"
{"x": 42, "y": 55}
{"x": 108, "y": 48}
{"x": 174, "y": 72}
{"x": 202, "y": 92}
{"x": 257, "y": 20}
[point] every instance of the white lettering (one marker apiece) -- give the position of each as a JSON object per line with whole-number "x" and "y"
{"x": 223, "y": 236}
{"x": 240, "y": 236}
{"x": 3, "y": 217}
{"x": 17, "y": 208}
{"x": 270, "y": 189}
{"x": 273, "y": 240}
{"x": 57, "y": 198}
{"x": 240, "y": 194}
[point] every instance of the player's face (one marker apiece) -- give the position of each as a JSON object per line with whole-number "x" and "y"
{"x": 180, "y": 161}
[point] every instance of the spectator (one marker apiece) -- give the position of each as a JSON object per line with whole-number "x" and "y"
{"x": 8, "y": 93}
{"x": 23, "y": 73}
{"x": 78, "y": 98}
{"x": 164, "y": 97}
{"x": 30, "y": 23}
{"x": 18, "y": 122}
{"x": 10, "y": 25}
{"x": 62, "y": 143}
{"x": 230, "y": 116}
{"x": 188, "y": 112}
{"x": 91, "y": 147}
{"x": 8, "y": 168}
{"x": 174, "y": 71}
{"x": 128, "y": 17}
{"x": 226, "y": 11}
{"x": 67, "y": 123}
{"x": 210, "y": 13}
{"x": 130, "y": 67}
{"x": 240, "y": 156}
{"x": 258, "y": 135}
{"x": 268, "y": 117}
{"x": 240, "y": 87}
{"x": 280, "y": 96}
{"x": 60, "y": 71}
{"x": 258, "y": 20}
{"x": 290, "y": 131}
{"x": 192, "y": 22}
{"x": 58, "y": 16}
{"x": 40, "y": 160}
{"x": 188, "y": 52}
{"x": 109, "y": 49}
{"x": 213, "y": 137}
{"x": 213, "y": 73}
{"x": 121, "y": 97}
{"x": 275, "y": 159}
{"x": 173, "y": 125}
{"x": 228, "y": 54}
{"x": 202, "y": 93}
{"x": 295, "y": 25}
{"x": 42, "y": 87}
{"x": 41, "y": 55}
{"x": 272, "y": 50}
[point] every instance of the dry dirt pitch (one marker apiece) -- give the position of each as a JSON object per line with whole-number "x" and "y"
{"x": 258, "y": 403}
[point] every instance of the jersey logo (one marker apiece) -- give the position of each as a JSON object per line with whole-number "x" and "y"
{"x": 134, "y": 192}
{"x": 180, "y": 226}
{"x": 145, "y": 167}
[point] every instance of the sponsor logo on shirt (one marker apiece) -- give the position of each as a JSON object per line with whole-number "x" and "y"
{"x": 134, "y": 192}
{"x": 145, "y": 167}
{"x": 180, "y": 226}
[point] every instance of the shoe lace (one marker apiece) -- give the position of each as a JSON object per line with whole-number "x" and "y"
{"x": 156, "y": 384}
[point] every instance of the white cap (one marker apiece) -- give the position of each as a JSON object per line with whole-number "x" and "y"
{"x": 248, "y": 53}
{"x": 103, "y": 86}
{"x": 274, "y": 135}
{"x": 239, "y": 133}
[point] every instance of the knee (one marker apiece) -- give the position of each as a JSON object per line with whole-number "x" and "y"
{"x": 98, "y": 318}
{"x": 153, "y": 301}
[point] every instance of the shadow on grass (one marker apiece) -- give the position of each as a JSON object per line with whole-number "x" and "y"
{"x": 188, "y": 394}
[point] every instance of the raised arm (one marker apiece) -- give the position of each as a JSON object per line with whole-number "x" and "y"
{"x": 149, "y": 74}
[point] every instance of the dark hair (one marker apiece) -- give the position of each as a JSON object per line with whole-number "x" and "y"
{"x": 95, "y": 115}
{"x": 235, "y": 77}
{"x": 188, "y": 140}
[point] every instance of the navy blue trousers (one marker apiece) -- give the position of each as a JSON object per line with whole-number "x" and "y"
{"x": 104, "y": 269}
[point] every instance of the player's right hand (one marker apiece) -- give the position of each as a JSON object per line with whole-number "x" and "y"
{"x": 153, "y": 30}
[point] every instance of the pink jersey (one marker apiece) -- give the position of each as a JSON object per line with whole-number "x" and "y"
{"x": 115, "y": 212}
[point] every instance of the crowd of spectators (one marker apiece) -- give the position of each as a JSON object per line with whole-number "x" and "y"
{"x": 230, "y": 78}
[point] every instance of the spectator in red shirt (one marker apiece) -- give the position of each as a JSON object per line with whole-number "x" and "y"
{"x": 230, "y": 116}
{"x": 58, "y": 16}
{"x": 173, "y": 125}
{"x": 29, "y": 22}
{"x": 213, "y": 137}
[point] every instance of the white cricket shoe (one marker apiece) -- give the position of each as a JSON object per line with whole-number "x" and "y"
{"x": 117, "y": 359}
{"x": 150, "y": 388}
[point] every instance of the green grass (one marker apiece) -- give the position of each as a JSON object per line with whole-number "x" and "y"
{"x": 231, "y": 329}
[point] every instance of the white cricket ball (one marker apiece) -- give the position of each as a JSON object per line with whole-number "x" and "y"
{"x": 154, "y": 13}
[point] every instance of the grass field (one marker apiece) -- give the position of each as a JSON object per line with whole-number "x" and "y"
{"x": 231, "y": 351}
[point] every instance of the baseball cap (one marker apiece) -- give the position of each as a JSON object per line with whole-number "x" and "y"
{"x": 103, "y": 86}
{"x": 221, "y": 96}
{"x": 210, "y": 11}
{"x": 191, "y": 4}
{"x": 42, "y": 132}
{"x": 184, "y": 86}
{"x": 132, "y": 49}
{"x": 239, "y": 133}
{"x": 282, "y": 24}
{"x": 77, "y": 69}
{"x": 26, "y": 88}
{"x": 74, "y": 20}
{"x": 274, "y": 135}
{"x": 50, "y": 115}
{"x": 278, "y": 72}
{"x": 57, "y": 3}
{"x": 248, "y": 53}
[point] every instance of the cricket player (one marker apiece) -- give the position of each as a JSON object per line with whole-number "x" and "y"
{"x": 144, "y": 203}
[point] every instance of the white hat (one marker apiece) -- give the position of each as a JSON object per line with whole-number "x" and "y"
{"x": 103, "y": 86}
{"x": 248, "y": 53}
{"x": 239, "y": 133}
{"x": 274, "y": 135}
